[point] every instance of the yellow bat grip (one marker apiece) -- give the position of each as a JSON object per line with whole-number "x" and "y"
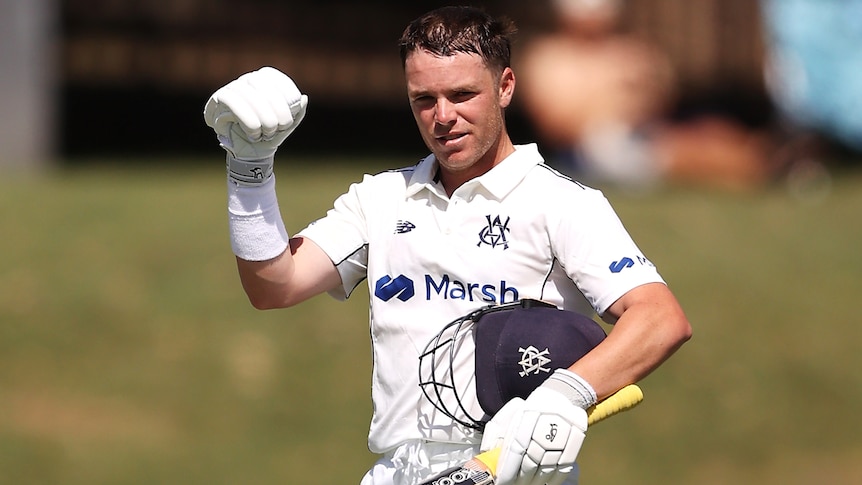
{"x": 489, "y": 458}
{"x": 626, "y": 398}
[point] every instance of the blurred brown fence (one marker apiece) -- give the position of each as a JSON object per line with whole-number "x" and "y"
{"x": 346, "y": 50}
{"x": 161, "y": 59}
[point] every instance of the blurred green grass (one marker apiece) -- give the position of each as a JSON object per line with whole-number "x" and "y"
{"x": 129, "y": 354}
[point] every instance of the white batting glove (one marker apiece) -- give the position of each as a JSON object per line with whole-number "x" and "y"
{"x": 251, "y": 116}
{"x": 540, "y": 436}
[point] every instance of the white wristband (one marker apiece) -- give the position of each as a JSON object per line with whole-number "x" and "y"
{"x": 250, "y": 173}
{"x": 257, "y": 232}
{"x": 573, "y": 387}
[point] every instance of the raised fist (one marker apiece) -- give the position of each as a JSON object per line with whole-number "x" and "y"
{"x": 251, "y": 116}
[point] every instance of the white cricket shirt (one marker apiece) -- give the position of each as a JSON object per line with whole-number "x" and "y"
{"x": 522, "y": 230}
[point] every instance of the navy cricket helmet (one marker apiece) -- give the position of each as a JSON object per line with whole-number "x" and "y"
{"x": 515, "y": 348}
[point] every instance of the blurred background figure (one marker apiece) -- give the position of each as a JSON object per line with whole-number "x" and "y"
{"x": 813, "y": 72}
{"x": 602, "y": 99}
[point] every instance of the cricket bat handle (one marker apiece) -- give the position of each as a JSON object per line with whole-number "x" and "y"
{"x": 480, "y": 469}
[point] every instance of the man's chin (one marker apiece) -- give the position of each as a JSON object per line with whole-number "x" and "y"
{"x": 453, "y": 161}
{"x": 454, "y": 166}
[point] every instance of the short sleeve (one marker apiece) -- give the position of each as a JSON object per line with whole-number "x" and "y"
{"x": 598, "y": 253}
{"x": 342, "y": 235}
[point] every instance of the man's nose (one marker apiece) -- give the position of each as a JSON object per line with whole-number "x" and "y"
{"x": 444, "y": 112}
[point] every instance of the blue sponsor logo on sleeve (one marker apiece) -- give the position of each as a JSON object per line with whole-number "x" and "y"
{"x": 627, "y": 262}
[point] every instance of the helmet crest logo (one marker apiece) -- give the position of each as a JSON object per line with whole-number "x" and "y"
{"x": 533, "y": 361}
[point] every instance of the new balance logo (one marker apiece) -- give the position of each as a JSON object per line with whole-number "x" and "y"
{"x": 402, "y": 227}
{"x": 401, "y": 287}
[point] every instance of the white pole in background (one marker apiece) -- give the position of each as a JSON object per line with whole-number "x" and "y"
{"x": 28, "y": 83}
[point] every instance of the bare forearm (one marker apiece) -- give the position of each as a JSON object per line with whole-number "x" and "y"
{"x": 266, "y": 283}
{"x": 299, "y": 273}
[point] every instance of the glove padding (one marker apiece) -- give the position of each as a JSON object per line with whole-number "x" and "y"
{"x": 251, "y": 116}
{"x": 540, "y": 438}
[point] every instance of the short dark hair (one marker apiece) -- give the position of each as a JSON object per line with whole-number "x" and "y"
{"x": 450, "y": 30}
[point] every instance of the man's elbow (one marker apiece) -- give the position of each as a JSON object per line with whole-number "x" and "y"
{"x": 263, "y": 303}
{"x": 263, "y": 300}
{"x": 682, "y": 331}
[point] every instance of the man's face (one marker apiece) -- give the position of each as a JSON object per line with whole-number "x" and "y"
{"x": 458, "y": 105}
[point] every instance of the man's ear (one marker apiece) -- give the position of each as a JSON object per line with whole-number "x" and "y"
{"x": 507, "y": 87}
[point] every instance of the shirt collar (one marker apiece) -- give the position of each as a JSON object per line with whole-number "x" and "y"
{"x": 424, "y": 178}
{"x": 499, "y": 181}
